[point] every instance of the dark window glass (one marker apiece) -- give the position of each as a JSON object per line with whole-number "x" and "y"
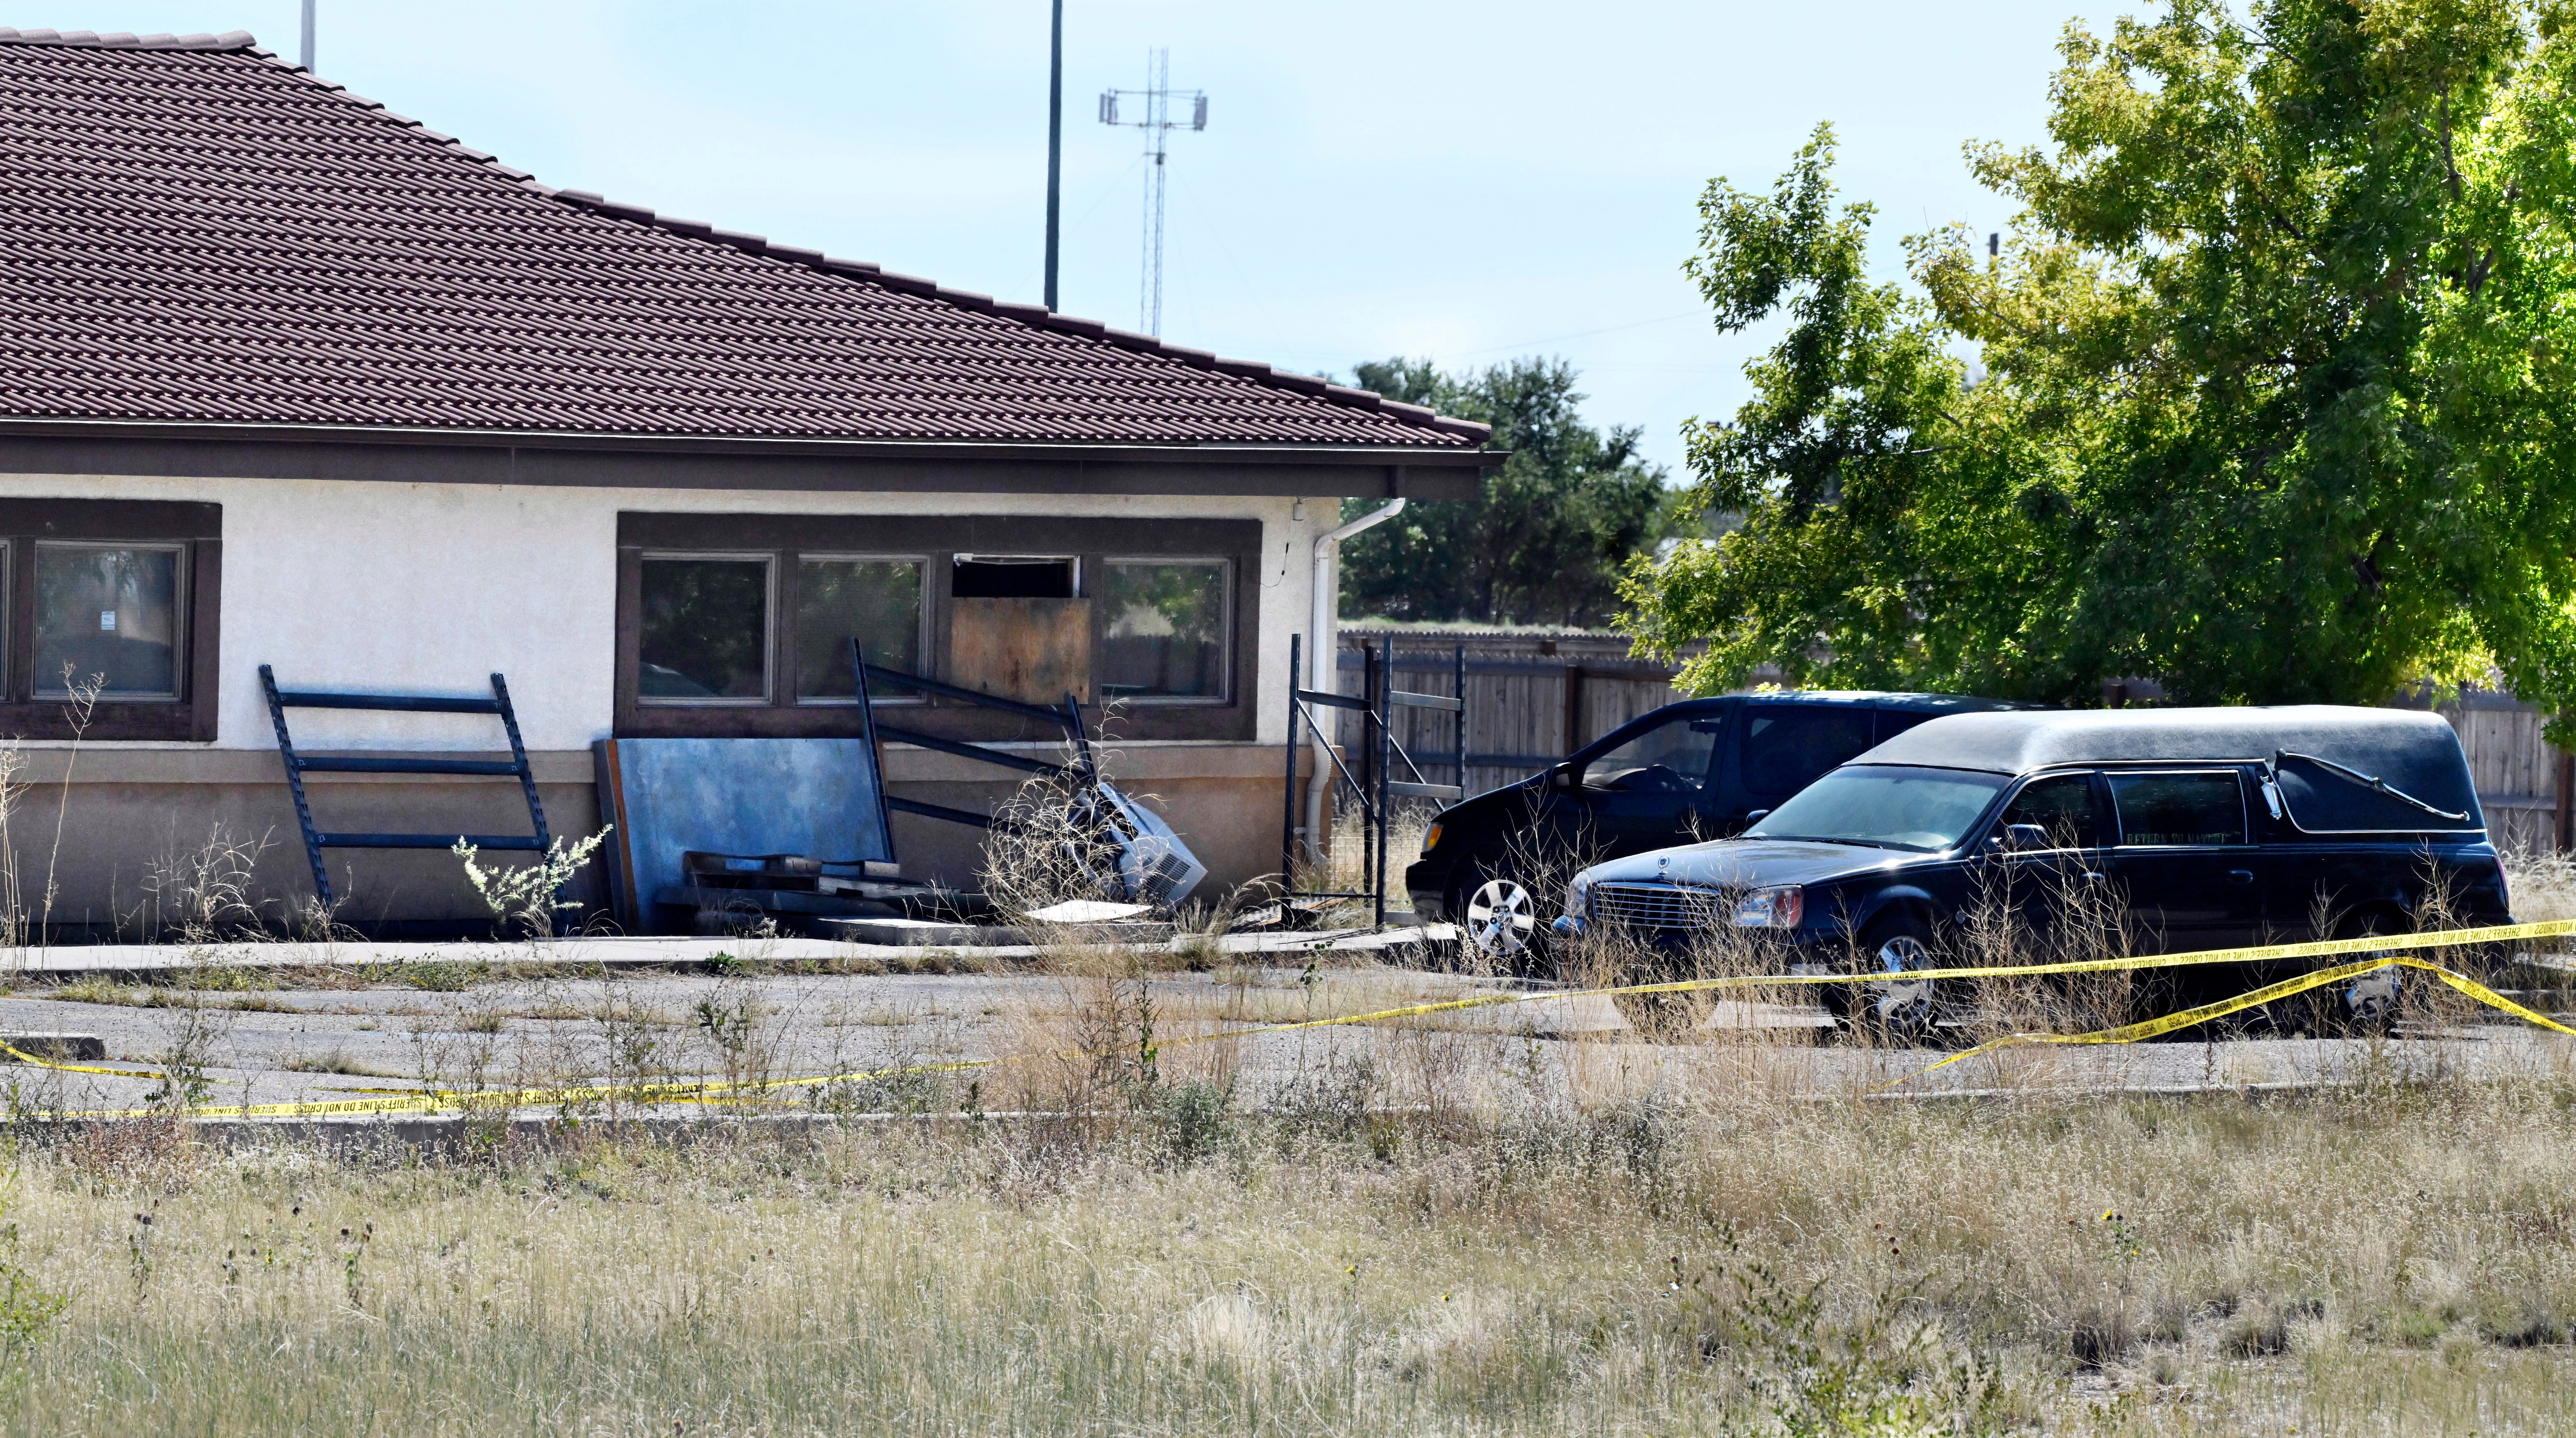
{"x": 1012, "y": 577}
{"x": 108, "y": 614}
{"x": 705, "y": 634}
{"x": 2062, "y": 804}
{"x": 876, "y": 601}
{"x": 2179, "y": 808}
{"x": 1162, "y": 631}
{"x": 1670, "y": 758}
{"x": 1787, "y": 746}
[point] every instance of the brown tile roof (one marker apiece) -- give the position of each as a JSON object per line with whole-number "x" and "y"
{"x": 193, "y": 231}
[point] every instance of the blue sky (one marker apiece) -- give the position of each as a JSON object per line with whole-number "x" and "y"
{"x": 1467, "y": 182}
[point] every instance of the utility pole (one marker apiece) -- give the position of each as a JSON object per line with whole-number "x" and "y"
{"x": 1158, "y": 124}
{"x": 1055, "y": 142}
{"x": 308, "y": 36}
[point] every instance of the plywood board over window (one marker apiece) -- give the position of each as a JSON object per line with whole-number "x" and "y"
{"x": 1033, "y": 650}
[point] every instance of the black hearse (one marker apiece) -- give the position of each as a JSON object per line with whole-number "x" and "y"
{"x": 1699, "y": 769}
{"x": 2212, "y": 827}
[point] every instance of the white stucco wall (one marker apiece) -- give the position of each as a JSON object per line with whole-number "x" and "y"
{"x": 430, "y": 588}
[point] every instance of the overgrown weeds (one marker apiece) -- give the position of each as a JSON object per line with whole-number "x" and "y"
{"x": 1343, "y": 1264}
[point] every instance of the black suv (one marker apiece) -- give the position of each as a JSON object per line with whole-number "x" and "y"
{"x": 2204, "y": 828}
{"x": 1700, "y": 769}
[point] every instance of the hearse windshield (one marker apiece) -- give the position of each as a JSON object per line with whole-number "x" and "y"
{"x": 1887, "y": 806}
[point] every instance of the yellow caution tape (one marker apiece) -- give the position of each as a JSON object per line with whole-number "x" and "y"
{"x": 430, "y": 1101}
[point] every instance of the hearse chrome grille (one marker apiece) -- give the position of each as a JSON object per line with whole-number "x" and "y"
{"x": 1669, "y": 907}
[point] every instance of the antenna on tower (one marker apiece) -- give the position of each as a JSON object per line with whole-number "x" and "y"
{"x": 1157, "y": 124}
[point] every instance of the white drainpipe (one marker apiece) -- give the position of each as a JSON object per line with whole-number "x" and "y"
{"x": 1323, "y": 672}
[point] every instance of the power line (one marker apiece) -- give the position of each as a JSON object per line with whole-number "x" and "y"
{"x": 1158, "y": 125}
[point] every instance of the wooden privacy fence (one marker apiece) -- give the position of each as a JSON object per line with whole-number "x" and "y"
{"x": 1532, "y": 699}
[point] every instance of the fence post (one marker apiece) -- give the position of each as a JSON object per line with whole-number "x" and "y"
{"x": 1460, "y": 676}
{"x": 1573, "y": 707}
{"x": 2566, "y": 811}
{"x": 1288, "y": 818}
{"x": 1383, "y": 667}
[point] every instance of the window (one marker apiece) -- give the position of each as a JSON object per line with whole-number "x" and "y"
{"x": 1786, "y": 746}
{"x": 1886, "y": 806}
{"x": 1163, "y": 629}
{"x": 1671, "y": 758}
{"x": 875, "y": 601}
{"x": 2061, "y": 805}
{"x": 740, "y": 625}
{"x": 1015, "y": 576}
{"x": 108, "y": 615}
{"x": 705, "y": 631}
{"x": 120, "y": 595}
{"x": 2166, "y": 809}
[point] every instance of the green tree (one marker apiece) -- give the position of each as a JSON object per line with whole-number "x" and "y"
{"x": 1546, "y": 540}
{"x": 2275, "y": 405}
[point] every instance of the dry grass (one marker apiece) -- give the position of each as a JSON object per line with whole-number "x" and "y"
{"x": 2396, "y": 1260}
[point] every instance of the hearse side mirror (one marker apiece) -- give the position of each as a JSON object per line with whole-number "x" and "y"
{"x": 2017, "y": 837}
{"x": 1756, "y": 817}
{"x": 1561, "y": 777}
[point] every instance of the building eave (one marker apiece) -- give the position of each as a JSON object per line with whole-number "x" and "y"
{"x": 555, "y": 458}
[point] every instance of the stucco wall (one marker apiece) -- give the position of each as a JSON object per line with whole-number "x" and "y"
{"x": 429, "y": 588}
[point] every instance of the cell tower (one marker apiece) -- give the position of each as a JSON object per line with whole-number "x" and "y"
{"x": 1158, "y": 125}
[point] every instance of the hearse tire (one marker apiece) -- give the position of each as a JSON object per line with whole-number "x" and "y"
{"x": 2366, "y": 1006}
{"x": 1898, "y": 1015}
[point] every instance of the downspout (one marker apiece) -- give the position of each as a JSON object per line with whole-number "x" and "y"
{"x": 1326, "y": 673}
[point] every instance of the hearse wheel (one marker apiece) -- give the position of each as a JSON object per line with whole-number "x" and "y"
{"x": 1498, "y": 922}
{"x": 2368, "y": 1005}
{"x": 1899, "y": 1013}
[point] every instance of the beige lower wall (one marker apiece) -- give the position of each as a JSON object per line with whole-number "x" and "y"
{"x": 134, "y": 817}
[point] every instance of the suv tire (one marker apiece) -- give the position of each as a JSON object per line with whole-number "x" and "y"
{"x": 1501, "y": 922}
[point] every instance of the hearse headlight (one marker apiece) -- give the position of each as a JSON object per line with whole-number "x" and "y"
{"x": 1779, "y": 908}
{"x": 1430, "y": 840}
{"x": 1578, "y": 895}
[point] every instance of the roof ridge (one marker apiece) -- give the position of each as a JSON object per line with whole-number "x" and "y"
{"x": 1313, "y": 386}
{"x": 121, "y": 40}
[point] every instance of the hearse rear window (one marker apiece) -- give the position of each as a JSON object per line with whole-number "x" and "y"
{"x": 2166, "y": 809}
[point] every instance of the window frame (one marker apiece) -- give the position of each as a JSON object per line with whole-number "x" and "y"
{"x": 1225, "y": 626}
{"x": 179, "y": 646}
{"x": 2106, "y": 815}
{"x": 928, "y": 564}
{"x": 2110, "y": 793}
{"x": 195, "y": 529}
{"x": 769, "y": 630}
{"x": 1088, "y": 539}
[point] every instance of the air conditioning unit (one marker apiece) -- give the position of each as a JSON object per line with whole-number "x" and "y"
{"x": 1154, "y": 866}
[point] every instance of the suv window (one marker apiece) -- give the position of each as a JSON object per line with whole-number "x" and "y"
{"x": 2197, "y": 809}
{"x": 1671, "y": 758}
{"x": 1787, "y": 746}
{"x": 2062, "y": 804}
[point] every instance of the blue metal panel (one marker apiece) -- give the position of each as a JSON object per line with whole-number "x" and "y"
{"x": 817, "y": 797}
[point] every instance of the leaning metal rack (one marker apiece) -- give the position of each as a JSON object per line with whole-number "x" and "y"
{"x": 1081, "y": 773}
{"x": 1374, "y": 792}
{"x": 299, "y": 765}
